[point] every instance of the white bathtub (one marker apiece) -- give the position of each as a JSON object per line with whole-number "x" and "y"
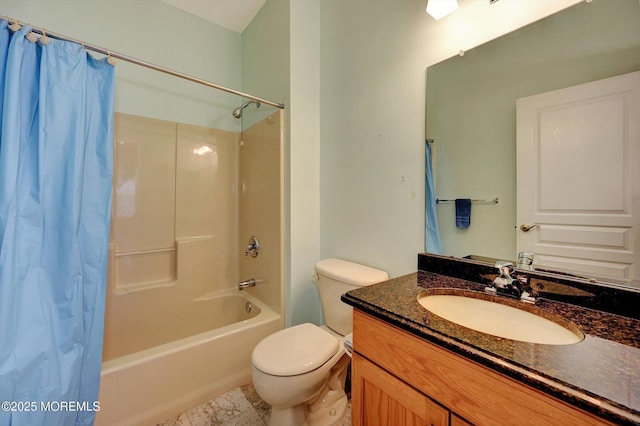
{"x": 154, "y": 384}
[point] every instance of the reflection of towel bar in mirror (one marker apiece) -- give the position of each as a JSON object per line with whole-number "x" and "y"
{"x": 494, "y": 201}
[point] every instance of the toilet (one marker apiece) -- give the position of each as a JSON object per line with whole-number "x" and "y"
{"x": 301, "y": 370}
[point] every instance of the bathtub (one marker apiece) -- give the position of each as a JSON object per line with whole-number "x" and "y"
{"x": 151, "y": 385}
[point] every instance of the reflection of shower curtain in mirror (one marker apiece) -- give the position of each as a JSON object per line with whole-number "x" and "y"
{"x": 56, "y": 160}
{"x": 432, "y": 234}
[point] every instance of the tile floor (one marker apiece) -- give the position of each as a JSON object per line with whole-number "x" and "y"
{"x": 239, "y": 407}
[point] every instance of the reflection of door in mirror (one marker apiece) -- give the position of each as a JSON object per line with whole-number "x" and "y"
{"x": 471, "y": 114}
{"x": 578, "y": 177}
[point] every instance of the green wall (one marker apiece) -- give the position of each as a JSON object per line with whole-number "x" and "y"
{"x": 471, "y": 111}
{"x": 156, "y": 32}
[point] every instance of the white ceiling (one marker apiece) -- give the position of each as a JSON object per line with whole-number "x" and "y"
{"x": 234, "y": 15}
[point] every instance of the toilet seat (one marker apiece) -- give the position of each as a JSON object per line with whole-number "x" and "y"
{"x": 295, "y": 350}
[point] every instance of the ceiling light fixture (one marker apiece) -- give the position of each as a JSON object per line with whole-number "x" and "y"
{"x": 440, "y": 8}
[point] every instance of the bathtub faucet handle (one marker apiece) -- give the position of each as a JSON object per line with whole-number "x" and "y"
{"x": 253, "y": 247}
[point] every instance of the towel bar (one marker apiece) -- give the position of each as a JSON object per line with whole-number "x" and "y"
{"x": 494, "y": 201}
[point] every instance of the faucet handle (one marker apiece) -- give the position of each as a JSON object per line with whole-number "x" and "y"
{"x": 253, "y": 247}
{"x": 506, "y": 271}
{"x": 505, "y": 268}
{"x": 500, "y": 263}
{"x": 505, "y": 284}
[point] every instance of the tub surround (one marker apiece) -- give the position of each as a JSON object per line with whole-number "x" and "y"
{"x": 600, "y": 375}
{"x": 177, "y": 331}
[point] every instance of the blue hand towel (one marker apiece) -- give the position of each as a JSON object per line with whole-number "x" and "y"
{"x": 463, "y": 212}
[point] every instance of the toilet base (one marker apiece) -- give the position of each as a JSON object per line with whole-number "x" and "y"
{"x": 330, "y": 406}
{"x": 290, "y": 416}
{"x": 329, "y": 414}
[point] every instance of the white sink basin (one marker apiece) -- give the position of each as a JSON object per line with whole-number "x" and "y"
{"x": 499, "y": 320}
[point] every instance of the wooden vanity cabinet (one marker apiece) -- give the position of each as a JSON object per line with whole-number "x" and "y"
{"x": 400, "y": 379}
{"x": 386, "y": 400}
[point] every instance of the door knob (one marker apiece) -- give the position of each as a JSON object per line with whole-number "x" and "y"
{"x": 525, "y": 227}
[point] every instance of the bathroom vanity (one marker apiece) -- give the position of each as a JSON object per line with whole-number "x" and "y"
{"x": 411, "y": 367}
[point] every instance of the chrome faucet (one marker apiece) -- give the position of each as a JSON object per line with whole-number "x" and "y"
{"x": 247, "y": 283}
{"x": 506, "y": 285}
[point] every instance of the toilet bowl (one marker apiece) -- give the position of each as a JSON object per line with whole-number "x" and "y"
{"x": 293, "y": 367}
{"x": 300, "y": 371}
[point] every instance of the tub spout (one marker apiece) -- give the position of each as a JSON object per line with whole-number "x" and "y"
{"x": 247, "y": 283}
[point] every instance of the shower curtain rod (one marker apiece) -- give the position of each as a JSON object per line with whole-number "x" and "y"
{"x": 142, "y": 63}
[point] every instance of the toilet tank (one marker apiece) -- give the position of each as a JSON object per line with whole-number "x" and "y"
{"x": 336, "y": 277}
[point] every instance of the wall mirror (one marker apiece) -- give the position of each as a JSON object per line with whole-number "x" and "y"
{"x": 471, "y": 112}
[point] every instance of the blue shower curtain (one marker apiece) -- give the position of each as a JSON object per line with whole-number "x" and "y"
{"x": 432, "y": 234}
{"x": 56, "y": 161}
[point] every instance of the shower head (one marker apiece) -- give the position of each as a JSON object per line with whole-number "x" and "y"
{"x": 237, "y": 113}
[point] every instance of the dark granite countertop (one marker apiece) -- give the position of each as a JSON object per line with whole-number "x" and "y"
{"x": 600, "y": 374}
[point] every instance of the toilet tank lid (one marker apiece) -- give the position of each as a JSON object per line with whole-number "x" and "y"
{"x": 295, "y": 350}
{"x": 349, "y": 272}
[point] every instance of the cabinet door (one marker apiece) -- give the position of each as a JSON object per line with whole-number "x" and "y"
{"x": 380, "y": 399}
{"x": 458, "y": 421}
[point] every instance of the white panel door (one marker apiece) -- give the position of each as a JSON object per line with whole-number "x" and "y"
{"x": 578, "y": 177}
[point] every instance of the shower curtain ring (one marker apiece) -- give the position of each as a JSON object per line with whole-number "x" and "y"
{"x": 14, "y": 25}
{"x": 44, "y": 40}
{"x": 31, "y": 36}
{"x": 110, "y": 59}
